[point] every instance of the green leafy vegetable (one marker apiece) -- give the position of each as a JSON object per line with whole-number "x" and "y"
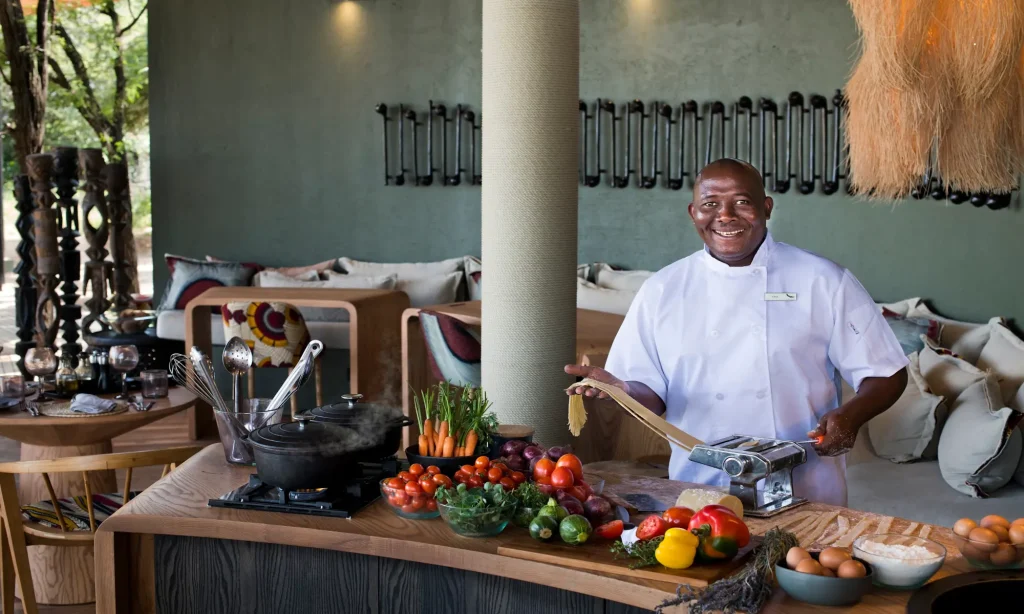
{"x": 642, "y": 551}
{"x": 476, "y": 510}
{"x": 528, "y": 495}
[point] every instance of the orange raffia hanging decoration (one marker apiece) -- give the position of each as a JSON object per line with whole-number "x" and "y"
{"x": 942, "y": 81}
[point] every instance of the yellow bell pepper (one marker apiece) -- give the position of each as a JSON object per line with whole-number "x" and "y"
{"x": 678, "y": 549}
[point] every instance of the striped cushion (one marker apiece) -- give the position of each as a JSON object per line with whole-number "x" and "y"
{"x": 76, "y": 515}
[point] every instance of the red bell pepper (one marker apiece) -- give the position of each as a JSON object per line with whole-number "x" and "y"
{"x": 722, "y": 533}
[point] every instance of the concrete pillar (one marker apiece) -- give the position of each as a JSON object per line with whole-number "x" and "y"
{"x": 529, "y": 161}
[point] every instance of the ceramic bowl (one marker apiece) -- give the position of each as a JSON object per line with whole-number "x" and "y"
{"x": 895, "y": 573}
{"x": 821, "y": 590}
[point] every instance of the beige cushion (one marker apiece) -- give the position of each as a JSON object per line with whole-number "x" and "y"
{"x": 424, "y": 291}
{"x": 331, "y": 280}
{"x": 946, "y": 375}
{"x": 267, "y": 278}
{"x": 404, "y": 270}
{"x": 978, "y": 455}
{"x": 966, "y": 339}
{"x": 607, "y": 277}
{"x": 591, "y": 296}
{"x": 910, "y": 429}
{"x": 903, "y": 307}
{"x": 1003, "y": 355}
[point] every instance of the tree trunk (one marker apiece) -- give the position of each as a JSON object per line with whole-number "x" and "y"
{"x": 27, "y": 59}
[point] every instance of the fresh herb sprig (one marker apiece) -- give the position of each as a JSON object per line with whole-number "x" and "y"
{"x": 642, "y": 551}
{"x": 528, "y": 495}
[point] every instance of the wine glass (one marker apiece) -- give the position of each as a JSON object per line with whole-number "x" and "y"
{"x": 124, "y": 358}
{"x": 41, "y": 361}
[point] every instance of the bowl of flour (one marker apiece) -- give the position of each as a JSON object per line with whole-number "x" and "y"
{"x": 902, "y": 562}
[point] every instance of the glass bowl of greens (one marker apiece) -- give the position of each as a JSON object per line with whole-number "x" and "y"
{"x": 476, "y": 512}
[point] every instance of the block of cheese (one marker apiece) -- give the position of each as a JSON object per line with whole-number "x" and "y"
{"x": 696, "y": 498}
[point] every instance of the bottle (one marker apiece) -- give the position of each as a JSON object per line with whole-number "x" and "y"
{"x": 66, "y": 379}
{"x": 84, "y": 371}
{"x": 103, "y": 379}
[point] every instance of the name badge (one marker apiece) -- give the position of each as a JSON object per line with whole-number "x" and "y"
{"x": 780, "y": 296}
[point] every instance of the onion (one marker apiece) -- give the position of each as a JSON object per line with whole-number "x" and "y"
{"x": 558, "y": 452}
{"x": 570, "y": 503}
{"x": 597, "y": 508}
{"x": 532, "y": 451}
{"x": 547, "y": 489}
{"x": 515, "y": 462}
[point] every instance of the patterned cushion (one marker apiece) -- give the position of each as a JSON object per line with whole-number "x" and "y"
{"x": 74, "y": 510}
{"x": 274, "y": 331}
{"x": 190, "y": 278}
{"x": 454, "y": 349}
{"x": 908, "y": 330}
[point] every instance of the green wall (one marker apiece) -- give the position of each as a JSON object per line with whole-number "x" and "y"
{"x": 265, "y": 145}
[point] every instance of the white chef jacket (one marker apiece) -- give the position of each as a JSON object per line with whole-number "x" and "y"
{"x": 728, "y": 358}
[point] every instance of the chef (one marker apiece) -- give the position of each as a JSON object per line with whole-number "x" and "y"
{"x": 750, "y": 336}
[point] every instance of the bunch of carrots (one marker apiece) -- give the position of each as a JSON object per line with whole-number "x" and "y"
{"x": 452, "y": 422}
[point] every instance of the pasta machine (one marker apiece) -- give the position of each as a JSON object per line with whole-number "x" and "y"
{"x": 747, "y": 461}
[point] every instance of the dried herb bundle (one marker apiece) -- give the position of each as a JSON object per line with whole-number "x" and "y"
{"x": 746, "y": 591}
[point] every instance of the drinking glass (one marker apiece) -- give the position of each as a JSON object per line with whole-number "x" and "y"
{"x": 41, "y": 361}
{"x": 154, "y": 383}
{"x": 124, "y": 358}
{"x": 12, "y": 386}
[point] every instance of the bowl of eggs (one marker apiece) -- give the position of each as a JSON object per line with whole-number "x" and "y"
{"x": 830, "y": 577}
{"x": 994, "y": 543}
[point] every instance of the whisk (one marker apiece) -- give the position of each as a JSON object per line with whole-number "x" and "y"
{"x": 184, "y": 372}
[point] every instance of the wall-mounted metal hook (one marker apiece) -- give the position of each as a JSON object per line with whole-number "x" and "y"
{"x": 958, "y": 197}
{"x": 410, "y": 116}
{"x": 744, "y": 107}
{"x": 651, "y": 181}
{"x": 456, "y": 177}
{"x": 830, "y": 185}
{"x": 600, "y": 108}
{"x": 690, "y": 107}
{"x": 470, "y": 116}
{"x": 382, "y": 110}
{"x": 818, "y": 145}
{"x": 769, "y": 116}
{"x": 717, "y": 109}
{"x": 978, "y": 200}
{"x": 441, "y": 111}
{"x": 795, "y": 136}
{"x": 671, "y": 180}
{"x": 635, "y": 108}
{"x": 613, "y": 154}
{"x": 584, "y": 166}
{"x": 999, "y": 201}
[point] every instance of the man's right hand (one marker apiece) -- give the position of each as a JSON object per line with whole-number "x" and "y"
{"x": 595, "y": 373}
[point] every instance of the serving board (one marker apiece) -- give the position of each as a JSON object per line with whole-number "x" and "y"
{"x": 595, "y": 556}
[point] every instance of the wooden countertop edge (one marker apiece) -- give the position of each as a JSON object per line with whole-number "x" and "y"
{"x": 605, "y": 586}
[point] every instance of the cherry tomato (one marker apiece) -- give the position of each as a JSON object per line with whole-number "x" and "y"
{"x": 561, "y": 478}
{"x": 416, "y": 469}
{"x": 494, "y": 475}
{"x": 395, "y": 483}
{"x": 507, "y": 483}
{"x": 418, "y": 503}
{"x": 428, "y": 487}
{"x": 461, "y": 476}
{"x": 585, "y": 488}
{"x": 677, "y": 516}
{"x": 545, "y": 481}
{"x": 431, "y": 505}
{"x": 405, "y": 475}
{"x": 408, "y": 508}
{"x": 577, "y": 492}
{"x": 518, "y": 477}
{"x": 443, "y": 480}
{"x": 500, "y": 465}
{"x": 475, "y": 481}
{"x": 573, "y": 464}
{"x": 470, "y": 469}
{"x": 651, "y": 527}
{"x": 543, "y": 468}
{"x": 433, "y": 470}
{"x": 609, "y": 530}
{"x": 413, "y": 489}
{"x": 399, "y": 498}
{"x": 482, "y": 462}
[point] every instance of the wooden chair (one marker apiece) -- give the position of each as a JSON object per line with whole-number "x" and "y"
{"x": 277, "y": 335}
{"x": 16, "y": 534}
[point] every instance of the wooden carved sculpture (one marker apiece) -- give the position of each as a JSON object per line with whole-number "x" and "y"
{"x": 40, "y": 171}
{"x": 65, "y": 178}
{"x": 98, "y": 270}
{"x": 25, "y": 296}
{"x": 115, "y": 179}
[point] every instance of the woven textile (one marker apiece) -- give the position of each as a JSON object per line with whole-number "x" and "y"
{"x": 76, "y": 515}
{"x": 274, "y": 331}
{"x": 454, "y": 349}
{"x": 530, "y": 110}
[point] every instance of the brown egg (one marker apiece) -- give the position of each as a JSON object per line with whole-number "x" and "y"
{"x": 972, "y": 553}
{"x": 851, "y": 569}
{"x": 1001, "y": 532}
{"x": 984, "y": 539}
{"x": 809, "y": 566}
{"x": 992, "y": 519}
{"x": 1017, "y": 534}
{"x": 964, "y": 526}
{"x": 828, "y": 573}
{"x": 832, "y": 558}
{"x": 795, "y": 555}
{"x": 1004, "y": 555}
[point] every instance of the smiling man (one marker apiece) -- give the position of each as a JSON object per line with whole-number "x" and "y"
{"x": 750, "y": 337}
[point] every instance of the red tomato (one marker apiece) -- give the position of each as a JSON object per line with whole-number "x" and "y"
{"x": 482, "y": 473}
{"x": 677, "y": 516}
{"x": 577, "y": 492}
{"x": 475, "y": 481}
{"x": 543, "y": 468}
{"x": 546, "y": 481}
{"x": 413, "y": 489}
{"x": 561, "y": 478}
{"x": 416, "y": 469}
{"x": 482, "y": 462}
{"x": 585, "y": 488}
{"x": 433, "y": 470}
{"x": 518, "y": 477}
{"x": 405, "y": 475}
{"x": 651, "y": 527}
{"x": 417, "y": 503}
{"x": 609, "y": 530}
{"x": 470, "y": 469}
{"x": 428, "y": 486}
{"x": 399, "y": 498}
{"x": 431, "y": 505}
{"x": 396, "y": 482}
{"x": 500, "y": 465}
{"x": 408, "y": 508}
{"x": 461, "y": 476}
{"x": 443, "y": 480}
{"x": 494, "y": 474}
{"x": 507, "y": 483}
{"x": 573, "y": 464}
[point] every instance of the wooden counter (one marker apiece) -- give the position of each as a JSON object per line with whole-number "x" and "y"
{"x": 226, "y": 559}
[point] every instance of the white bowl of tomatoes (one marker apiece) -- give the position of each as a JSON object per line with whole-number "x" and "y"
{"x": 410, "y": 494}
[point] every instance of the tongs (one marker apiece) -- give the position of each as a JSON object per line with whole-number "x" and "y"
{"x": 298, "y": 376}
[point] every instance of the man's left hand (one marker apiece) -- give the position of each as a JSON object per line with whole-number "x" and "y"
{"x": 839, "y": 430}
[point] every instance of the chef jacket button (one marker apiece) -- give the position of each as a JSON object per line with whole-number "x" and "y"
{"x": 761, "y": 394}
{"x": 719, "y": 396}
{"x": 714, "y": 333}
